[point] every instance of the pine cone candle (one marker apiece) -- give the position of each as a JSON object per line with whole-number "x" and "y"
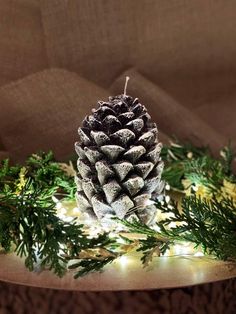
{"x": 119, "y": 165}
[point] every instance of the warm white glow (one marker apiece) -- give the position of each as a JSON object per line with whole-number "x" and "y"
{"x": 195, "y": 188}
{"x": 198, "y": 254}
{"x": 182, "y": 249}
{"x": 95, "y": 227}
{"x": 167, "y": 187}
{"x": 167, "y": 198}
{"x": 172, "y": 225}
{"x": 123, "y": 260}
{"x": 76, "y": 210}
{"x": 190, "y": 155}
{"x": 156, "y": 228}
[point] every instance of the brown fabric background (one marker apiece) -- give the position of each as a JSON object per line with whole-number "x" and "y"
{"x": 58, "y": 57}
{"x": 172, "y": 118}
{"x": 22, "y": 49}
{"x": 43, "y": 111}
{"x": 165, "y": 40}
{"x": 183, "y": 53}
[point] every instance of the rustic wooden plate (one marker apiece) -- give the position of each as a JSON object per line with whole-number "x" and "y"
{"x": 124, "y": 274}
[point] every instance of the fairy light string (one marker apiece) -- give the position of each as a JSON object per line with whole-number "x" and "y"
{"x": 200, "y": 211}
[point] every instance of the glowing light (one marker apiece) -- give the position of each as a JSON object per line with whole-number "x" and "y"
{"x": 121, "y": 241}
{"x": 195, "y": 188}
{"x": 172, "y": 225}
{"x": 167, "y": 198}
{"x": 183, "y": 249}
{"x": 123, "y": 260}
{"x": 199, "y": 254}
{"x": 190, "y": 155}
{"x": 63, "y": 211}
{"x": 68, "y": 219}
{"x": 76, "y": 210}
{"x": 167, "y": 187}
{"x": 156, "y": 228}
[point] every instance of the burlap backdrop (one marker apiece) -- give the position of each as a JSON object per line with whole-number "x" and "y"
{"x": 181, "y": 55}
{"x": 57, "y": 57}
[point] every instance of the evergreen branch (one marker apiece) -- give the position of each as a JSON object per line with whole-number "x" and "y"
{"x": 136, "y": 227}
{"x": 205, "y": 171}
{"x": 90, "y": 265}
{"x": 228, "y": 157}
{"x": 177, "y": 151}
{"x": 154, "y": 243}
{"x": 28, "y": 220}
{"x": 175, "y": 157}
{"x": 43, "y": 171}
{"x": 208, "y": 223}
{"x": 197, "y": 165}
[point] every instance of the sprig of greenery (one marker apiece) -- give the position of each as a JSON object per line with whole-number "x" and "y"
{"x": 210, "y": 224}
{"x": 197, "y": 165}
{"x": 154, "y": 242}
{"x": 91, "y": 265}
{"x": 29, "y": 221}
{"x": 175, "y": 157}
{"x": 43, "y": 170}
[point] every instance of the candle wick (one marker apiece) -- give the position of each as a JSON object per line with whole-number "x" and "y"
{"x": 126, "y": 84}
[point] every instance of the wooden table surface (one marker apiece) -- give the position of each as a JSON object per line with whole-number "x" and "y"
{"x": 124, "y": 274}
